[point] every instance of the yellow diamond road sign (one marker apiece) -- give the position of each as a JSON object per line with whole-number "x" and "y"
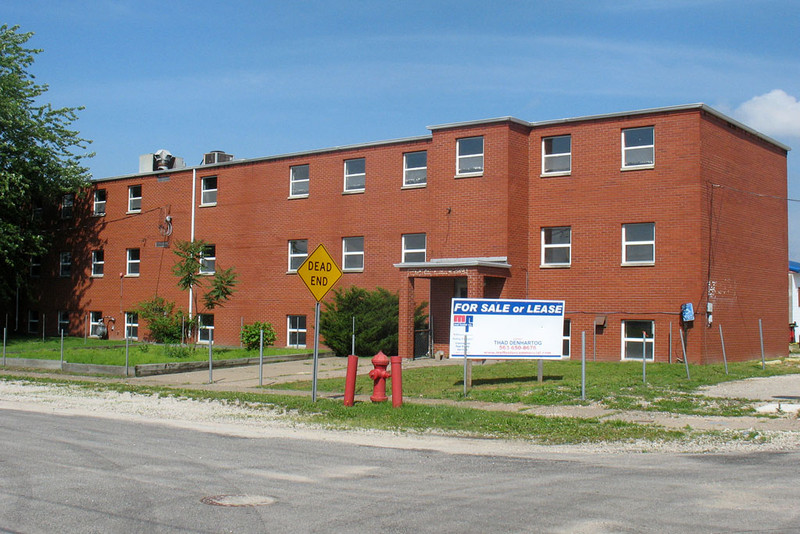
{"x": 319, "y": 272}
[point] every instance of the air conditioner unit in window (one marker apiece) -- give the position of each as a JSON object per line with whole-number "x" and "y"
{"x": 216, "y": 156}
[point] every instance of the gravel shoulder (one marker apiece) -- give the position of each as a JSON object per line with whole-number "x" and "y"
{"x": 780, "y": 432}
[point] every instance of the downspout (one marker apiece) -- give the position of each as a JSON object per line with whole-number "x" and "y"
{"x": 191, "y": 230}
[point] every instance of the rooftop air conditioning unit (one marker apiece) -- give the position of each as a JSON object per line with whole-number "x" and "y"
{"x": 216, "y": 156}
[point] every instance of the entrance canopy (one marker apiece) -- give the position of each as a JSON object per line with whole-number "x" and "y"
{"x": 448, "y": 277}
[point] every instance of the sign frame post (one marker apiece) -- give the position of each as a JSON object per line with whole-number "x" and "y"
{"x": 319, "y": 273}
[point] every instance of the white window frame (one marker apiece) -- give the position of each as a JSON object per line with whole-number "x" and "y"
{"x": 350, "y": 177}
{"x": 33, "y": 322}
{"x": 65, "y": 264}
{"x": 408, "y": 251}
{"x": 553, "y": 246}
{"x": 134, "y": 202}
{"x": 208, "y": 260}
{"x": 95, "y": 322}
{"x": 412, "y": 175}
{"x": 353, "y": 250}
{"x": 629, "y": 242}
{"x": 297, "y": 181}
{"x": 566, "y": 339}
{"x": 556, "y": 156}
{"x": 638, "y": 148}
{"x": 296, "y": 259}
{"x": 133, "y": 265}
{"x": 297, "y": 330}
{"x": 462, "y": 158}
{"x": 63, "y": 322}
{"x": 636, "y": 355}
{"x": 36, "y": 266}
{"x": 67, "y": 205}
{"x": 205, "y": 328}
{"x": 131, "y": 326}
{"x": 98, "y": 263}
{"x": 99, "y": 204}
{"x": 208, "y": 194}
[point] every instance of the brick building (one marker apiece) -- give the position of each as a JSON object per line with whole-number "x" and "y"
{"x": 623, "y": 216}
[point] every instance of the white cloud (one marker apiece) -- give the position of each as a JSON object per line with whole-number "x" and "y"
{"x": 775, "y": 113}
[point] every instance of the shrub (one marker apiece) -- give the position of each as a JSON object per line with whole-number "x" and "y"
{"x": 376, "y": 316}
{"x": 251, "y": 335}
{"x": 163, "y": 324}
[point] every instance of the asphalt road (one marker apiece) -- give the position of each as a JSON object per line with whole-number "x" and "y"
{"x": 67, "y": 473}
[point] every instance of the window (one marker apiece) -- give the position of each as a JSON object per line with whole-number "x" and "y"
{"x": 33, "y": 322}
{"x": 413, "y": 248}
{"x": 131, "y": 325}
{"x": 632, "y": 339}
{"x": 556, "y": 246}
{"x": 36, "y": 266}
{"x": 296, "y": 331}
{"x": 566, "y": 336}
{"x": 469, "y": 156}
{"x": 354, "y": 174}
{"x": 63, "y": 322}
{"x": 65, "y": 264}
{"x": 133, "y": 261}
{"x": 638, "y": 148}
{"x": 208, "y": 259}
{"x": 353, "y": 253}
{"x": 135, "y": 198}
{"x": 67, "y": 203}
{"x": 415, "y": 169}
{"x": 96, "y": 326}
{"x": 98, "y": 262}
{"x": 557, "y": 155}
{"x": 639, "y": 243}
{"x": 298, "y": 181}
{"x": 99, "y": 207}
{"x": 205, "y": 328}
{"x": 208, "y": 194}
{"x": 298, "y": 251}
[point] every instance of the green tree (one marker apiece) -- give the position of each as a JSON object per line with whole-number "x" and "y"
{"x": 40, "y": 160}
{"x": 219, "y": 287}
{"x": 376, "y": 316}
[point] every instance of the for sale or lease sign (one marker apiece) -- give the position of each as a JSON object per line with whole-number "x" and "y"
{"x": 506, "y": 328}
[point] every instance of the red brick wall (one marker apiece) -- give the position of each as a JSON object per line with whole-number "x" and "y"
{"x": 499, "y": 213}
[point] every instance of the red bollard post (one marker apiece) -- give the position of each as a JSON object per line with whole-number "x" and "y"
{"x": 350, "y": 380}
{"x": 397, "y": 381}
{"x": 379, "y": 374}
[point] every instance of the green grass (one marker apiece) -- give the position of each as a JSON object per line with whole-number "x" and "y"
{"x": 106, "y": 352}
{"x": 614, "y": 385}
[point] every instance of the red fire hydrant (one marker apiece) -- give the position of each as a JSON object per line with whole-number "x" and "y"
{"x": 379, "y": 374}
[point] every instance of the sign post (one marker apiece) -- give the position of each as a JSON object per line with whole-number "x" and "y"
{"x": 319, "y": 273}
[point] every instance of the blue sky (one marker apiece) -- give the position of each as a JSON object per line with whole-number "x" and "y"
{"x": 257, "y": 78}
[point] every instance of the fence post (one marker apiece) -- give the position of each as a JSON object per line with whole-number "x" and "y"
{"x": 261, "y": 357}
{"x": 685, "y": 359}
{"x": 644, "y": 357}
{"x": 583, "y": 365}
{"x": 724, "y": 356}
{"x": 761, "y": 336}
{"x": 210, "y": 364}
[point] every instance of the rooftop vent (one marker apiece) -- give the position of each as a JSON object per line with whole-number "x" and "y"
{"x": 216, "y": 156}
{"x": 161, "y": 160}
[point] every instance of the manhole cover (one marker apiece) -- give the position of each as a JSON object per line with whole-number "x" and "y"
{"x": 238, "y": 500}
